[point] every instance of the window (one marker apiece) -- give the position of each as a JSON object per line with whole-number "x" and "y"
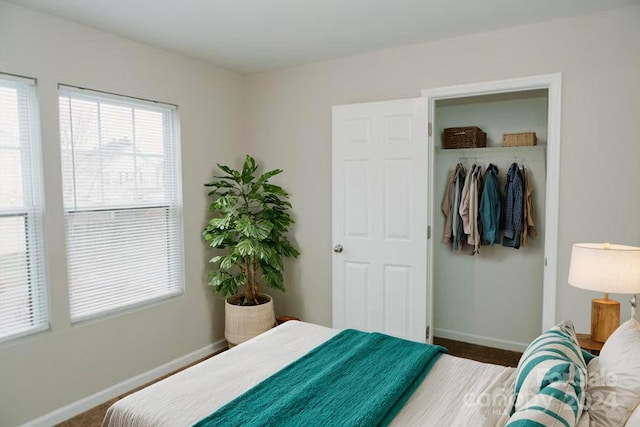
{"x": 120, "y": 170}
{"x": 23, "y": 296}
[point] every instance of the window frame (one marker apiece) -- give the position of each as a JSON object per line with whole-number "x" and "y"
{"x": 32, "y": 209}
{"x": 172, "y": 176}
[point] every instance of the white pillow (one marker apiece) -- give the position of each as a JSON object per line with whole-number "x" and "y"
{"x": 613, "y": 390}
{"x": 634, "y": 419}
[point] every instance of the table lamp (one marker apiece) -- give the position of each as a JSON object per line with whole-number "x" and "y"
{"x": 607, "y": 268}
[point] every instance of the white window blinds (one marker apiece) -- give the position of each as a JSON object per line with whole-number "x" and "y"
{"x": 121, "y": 183}
{"x": 23, "y": 296}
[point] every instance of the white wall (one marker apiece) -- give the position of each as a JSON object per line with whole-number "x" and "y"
{"x": 289, "y": 126}
{"x": 50, "y": 370}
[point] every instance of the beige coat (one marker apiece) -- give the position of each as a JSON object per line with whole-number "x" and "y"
{"x": 447, "y": 205}
{"x": 528, "y": 224}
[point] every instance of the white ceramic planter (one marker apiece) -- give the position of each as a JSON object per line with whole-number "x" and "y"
{"x": 245, "y": 322}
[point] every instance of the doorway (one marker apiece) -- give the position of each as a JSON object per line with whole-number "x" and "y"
{"x": 500, "y": 297}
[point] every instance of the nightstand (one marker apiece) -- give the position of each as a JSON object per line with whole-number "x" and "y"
{"x": 280, "y": 320}
{"x": 586, "y": 343}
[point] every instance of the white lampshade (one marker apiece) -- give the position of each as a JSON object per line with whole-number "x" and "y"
{"x": 605, "y": 267}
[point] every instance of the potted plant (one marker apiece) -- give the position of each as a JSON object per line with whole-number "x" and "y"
{"x": 250, "y": 224}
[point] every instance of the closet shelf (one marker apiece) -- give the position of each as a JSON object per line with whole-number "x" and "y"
{"x": 512, "y": 151}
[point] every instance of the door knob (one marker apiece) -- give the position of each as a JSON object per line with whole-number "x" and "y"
{"x": 337, "y": 249}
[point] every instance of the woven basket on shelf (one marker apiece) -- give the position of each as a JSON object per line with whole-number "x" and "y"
{"x": 464, "y": 137}
{"x": 522, "y": 139}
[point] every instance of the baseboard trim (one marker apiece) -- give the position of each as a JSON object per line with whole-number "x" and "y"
{"x": 480, "y": 340}
{"x": 80, "y": 406}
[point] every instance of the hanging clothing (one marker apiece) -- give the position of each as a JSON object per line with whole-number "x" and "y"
{"x": 490, "y": 206}
{"x": 528, "y": 224}
{"x": 457, "y": 225}
{"x": 474, "y": 232}
{"x": 447, "y": 205}
{"x": 464, "y": 211}
{"x": 480, "y": 190}
{"x": 513, "y": 208}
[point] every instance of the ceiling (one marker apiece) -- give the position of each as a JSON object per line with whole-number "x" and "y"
{"x": 258, "y": 35}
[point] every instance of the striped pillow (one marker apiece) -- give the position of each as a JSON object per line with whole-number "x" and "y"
{"x": 550, "y": 380}
{"x": 549, "y": 408}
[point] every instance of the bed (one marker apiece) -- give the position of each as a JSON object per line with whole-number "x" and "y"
{"x": 456, "y": 392}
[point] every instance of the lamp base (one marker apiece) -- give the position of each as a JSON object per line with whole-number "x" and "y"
{"x": 605, "y": 318}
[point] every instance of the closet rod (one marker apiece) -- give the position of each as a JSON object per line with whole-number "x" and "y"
{"x": 520, "y": 162}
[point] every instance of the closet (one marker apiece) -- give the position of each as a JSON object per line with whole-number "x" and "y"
{"x": 494, "y": 297}
{"x": 390, "y": 270}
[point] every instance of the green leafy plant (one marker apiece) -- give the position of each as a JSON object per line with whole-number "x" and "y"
{"x": 250, "y": 222}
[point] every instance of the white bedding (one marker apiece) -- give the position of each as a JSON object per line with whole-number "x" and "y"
{"x": 456, "y": 392}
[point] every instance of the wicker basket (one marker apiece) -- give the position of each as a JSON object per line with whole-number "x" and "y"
{"x": 519, "y": 139}
{"x": 464, "y": 137}
{"x": 245, "y": 322}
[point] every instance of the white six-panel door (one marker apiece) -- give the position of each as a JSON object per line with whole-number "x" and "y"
{"x": 379, "y": 208}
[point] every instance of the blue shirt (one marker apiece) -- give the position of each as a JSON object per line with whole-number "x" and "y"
{"x": 490, "y": 207}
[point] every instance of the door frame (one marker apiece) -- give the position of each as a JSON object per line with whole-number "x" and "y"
{"x": 553, "y": 83}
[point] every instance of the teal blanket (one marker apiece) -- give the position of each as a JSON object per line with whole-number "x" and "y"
{"x": 353, "y": 379}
